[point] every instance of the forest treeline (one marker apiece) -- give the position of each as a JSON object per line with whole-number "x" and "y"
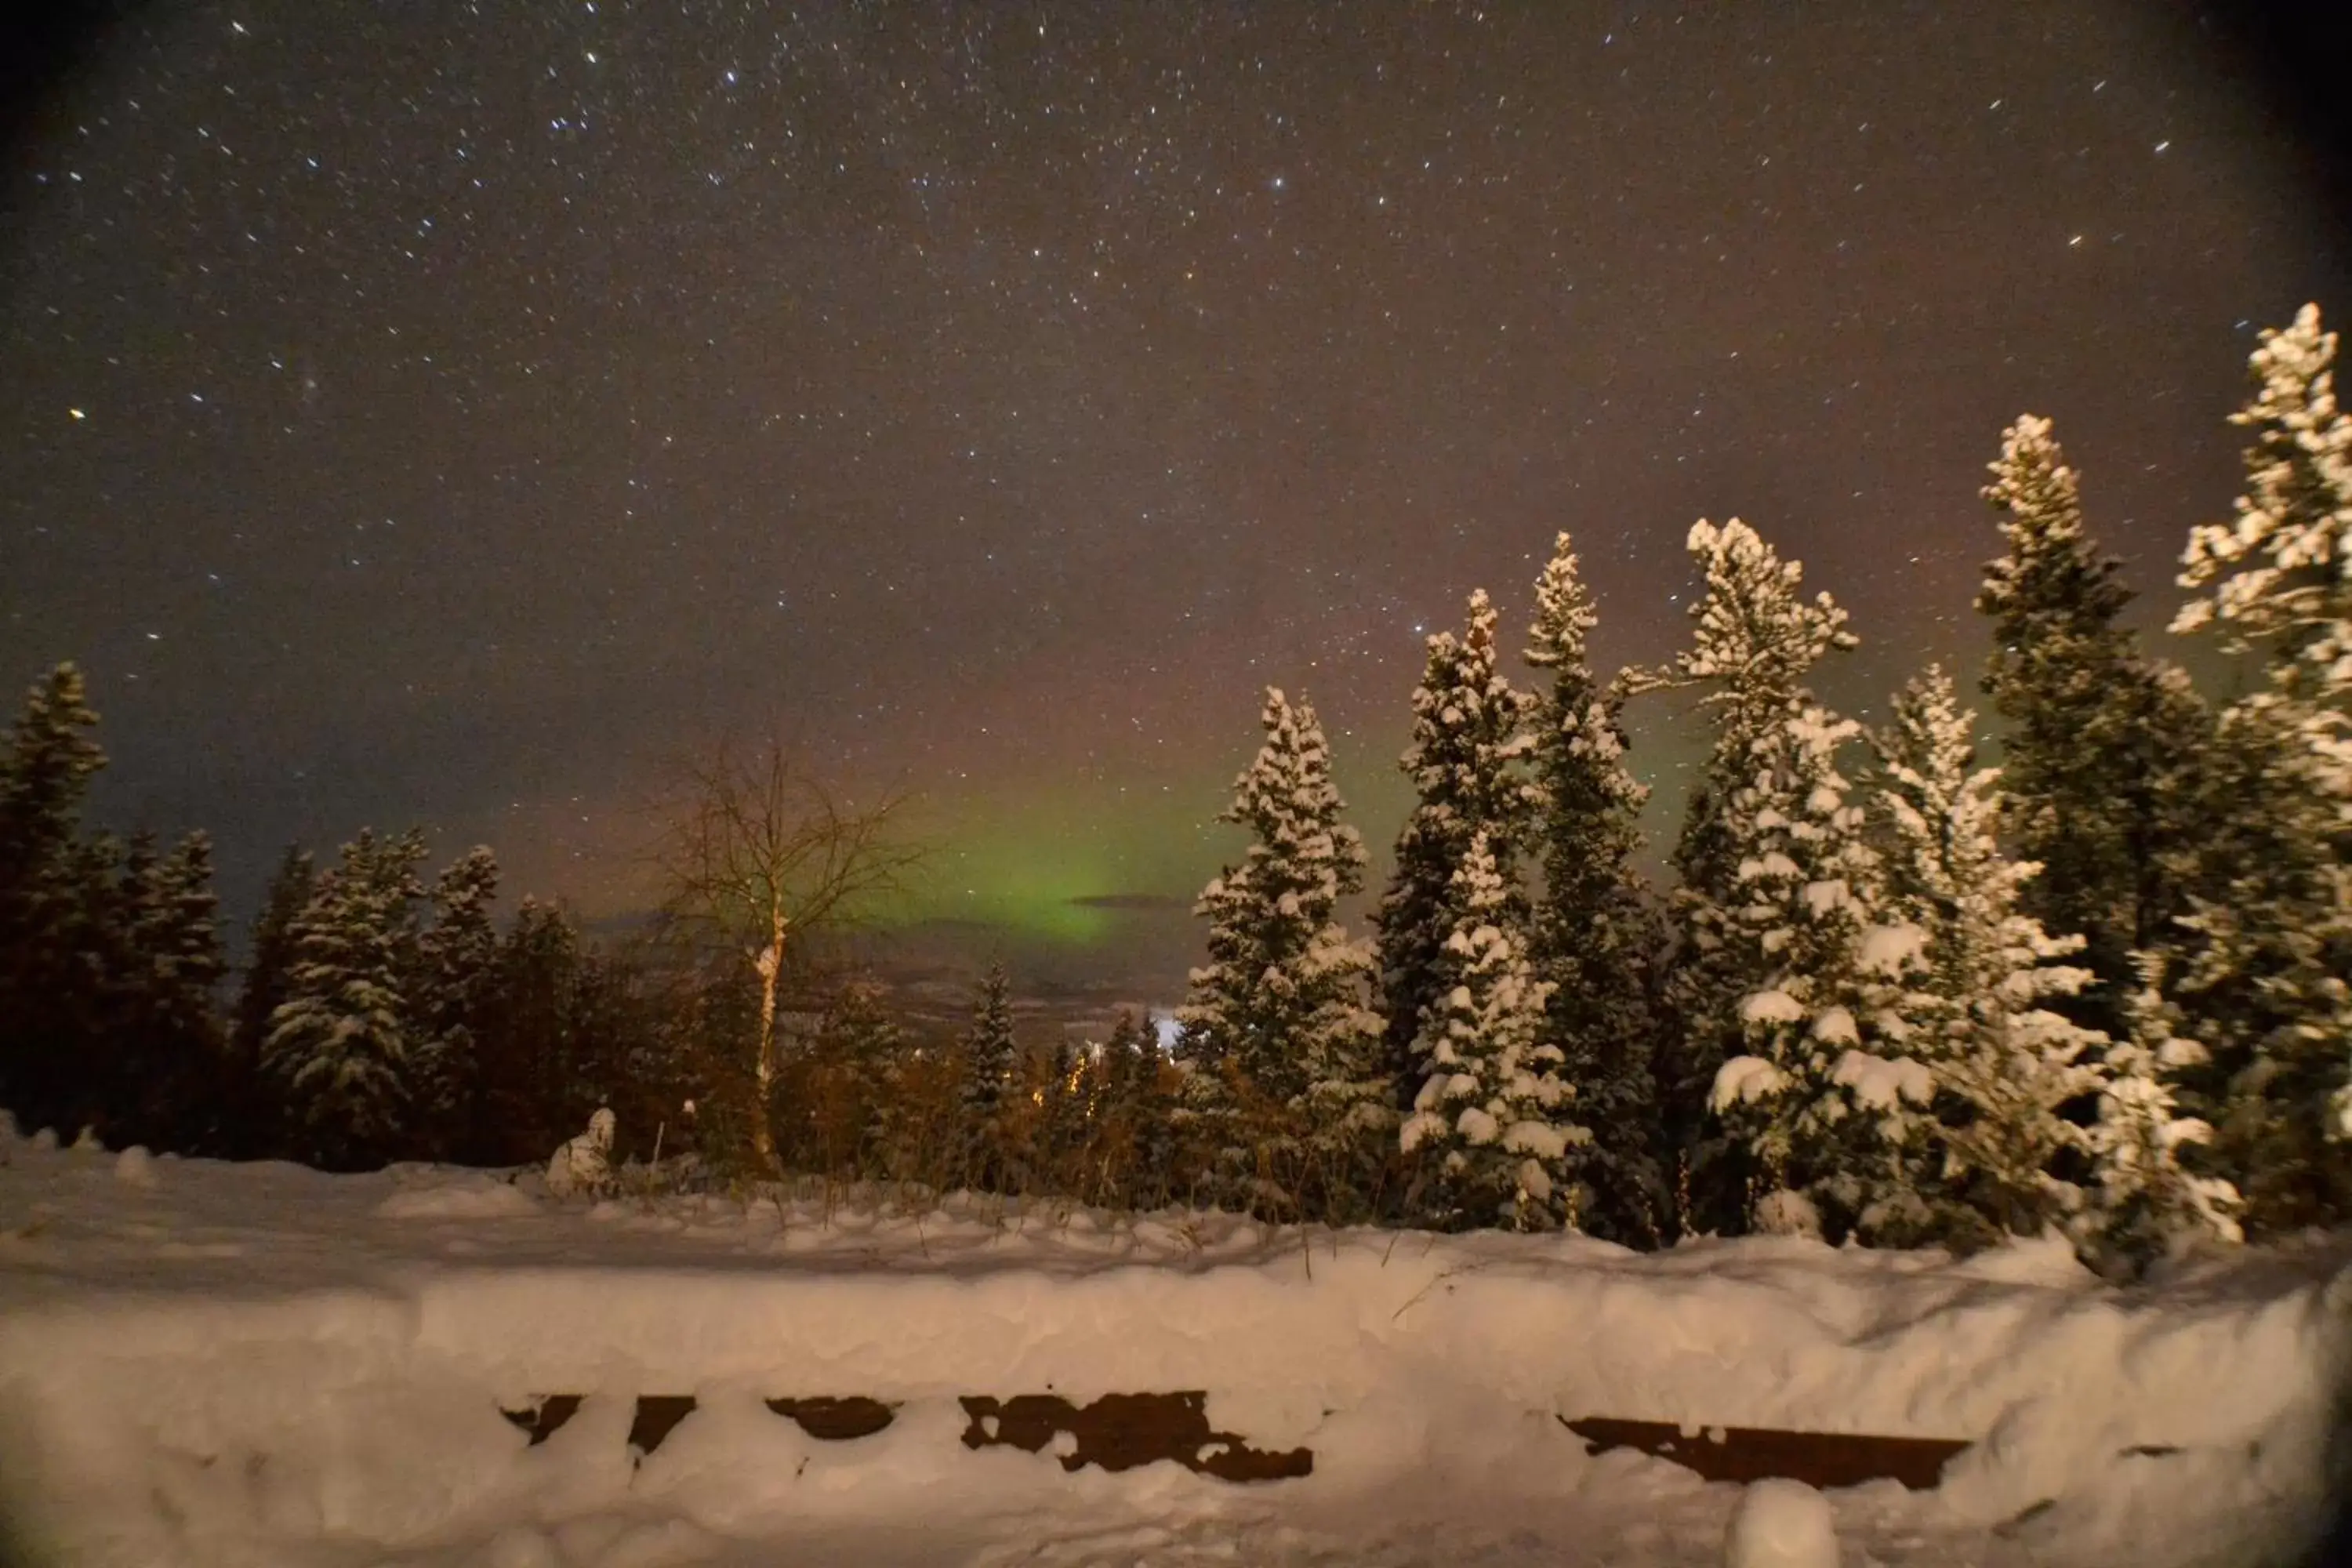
{"x": 1888, "y": 993}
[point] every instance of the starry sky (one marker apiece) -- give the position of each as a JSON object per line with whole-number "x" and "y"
{"x": 457, "y": 413}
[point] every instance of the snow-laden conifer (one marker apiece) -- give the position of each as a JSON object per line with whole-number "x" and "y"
{"x": 1754, "y": 646}
{"x": 1287, "y": 1082}
{"x": 339, "y": 1046}
{"x": 1825, "y": 1101}
{"x": 1595, "y": 937}
{"x": 991, "y": 1056}
{"x": 2268, "y": 981}
{"x": 2004, "y": 1063}
{"x": 2280, "y": 573}
{"x": 453, "y": 992}
{"x": 1466, "y": 763}
{"x": 2144, "y": 1201}
{"x": 1491, "y": 1119}
{"x": 2101, "y": 754}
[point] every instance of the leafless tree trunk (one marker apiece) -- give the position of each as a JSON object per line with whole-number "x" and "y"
{"x": 760, "y": 858}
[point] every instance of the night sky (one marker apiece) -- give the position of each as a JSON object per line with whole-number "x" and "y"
{"x": 453, "y": 413}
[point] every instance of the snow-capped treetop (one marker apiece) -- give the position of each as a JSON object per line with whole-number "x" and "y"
{"x": 2282, "y": 568}
{"x": 1468, "y": 727}
{"x": 2282, "y": 573}
{"x": 45, "y": 770}
{"x": 1286, "y": 799}
{"x": 1944, "y": 810}
{"x": 2052, "y": 569}
{"x": 1564, "y": 612}
{"x": 1755, "y": 635}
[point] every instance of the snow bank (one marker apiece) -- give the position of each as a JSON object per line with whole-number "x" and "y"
{"x": 260, "y": 1363}
{"x": 1781, "y": 1524}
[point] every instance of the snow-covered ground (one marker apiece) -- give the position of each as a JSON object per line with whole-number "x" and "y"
{"x": 259, "y": 1364}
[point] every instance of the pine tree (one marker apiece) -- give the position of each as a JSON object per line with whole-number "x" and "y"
{"x": 990, "y": 1054}
{"x": 1595, "y": 937}
{"x": 1469, "y": 737}
{"x": 618, "y": 1054}
{"x": 529, "y": 1077}
{"x": 1065, "y": 1091}
{"x": 1292, "y": 1082}
{"x": 2004, "y": 1065}
{"x": 2280, "y": 574}
{"x": 453, "y": 994}
{"x": 53, "y": 890}
{"x": 1754, "y": 646}
{"x": 2144, "y": 1200}
{"x": 339, "y": 1044}
{"x": 250, "y": 1124}
{"x": 1127, "y": 1070}
{"x": 1491, "y": 1116}
{"x": 167, "y": 1038}
{"x": 1826, "y": 1102}
{"x": 49, "y": 762}
{"x": 836, "y": 1117}
{"x": 2268, "y": 981}
{"x": 2100, "y": 763}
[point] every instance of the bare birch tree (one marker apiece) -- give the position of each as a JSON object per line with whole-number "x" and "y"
{"x": 761, "y": 857}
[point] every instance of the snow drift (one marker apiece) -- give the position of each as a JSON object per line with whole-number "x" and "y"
{"x": 259, "y": 1363}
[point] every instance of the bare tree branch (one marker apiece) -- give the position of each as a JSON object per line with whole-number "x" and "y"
{"x": 761, "y": 857}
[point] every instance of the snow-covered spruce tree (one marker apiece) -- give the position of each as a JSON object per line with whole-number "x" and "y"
{"x": 1466, "y": 761}
{"x": 1755, "y": 645}
{"x": 2268, "y": 980}
{"x": 452, "y": 997}
{"x": 2004, "y": 1065}
{"x": 250, "y": 1122}
{"x": 1595, "y": 937}
{"x": 2100, "y": 763}
{"x": 339, "y": 1044}
{"x": 2144, "y": 1201}
{"x": 1825, "y": 1106}
{"x": 1491, "y": 1119}
{"x": 991, "y": 1057}
{"x": 1287, "y": 1082}
{"x": 2280, "y": 574}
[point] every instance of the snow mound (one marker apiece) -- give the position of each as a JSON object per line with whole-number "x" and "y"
{"x": 1780, "y": 1524}
{"x": 134, "y": 1167}
{"x": 466, "y": 1200}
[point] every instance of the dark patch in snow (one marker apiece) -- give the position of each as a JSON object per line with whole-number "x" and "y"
{"x": 1120, "y": 1431}
{"x": 657, "y": 1417}
{"x": 836, "y": 1420}
{"x": 543, "y": 1416}
{"x": 1744, "y": 1453}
